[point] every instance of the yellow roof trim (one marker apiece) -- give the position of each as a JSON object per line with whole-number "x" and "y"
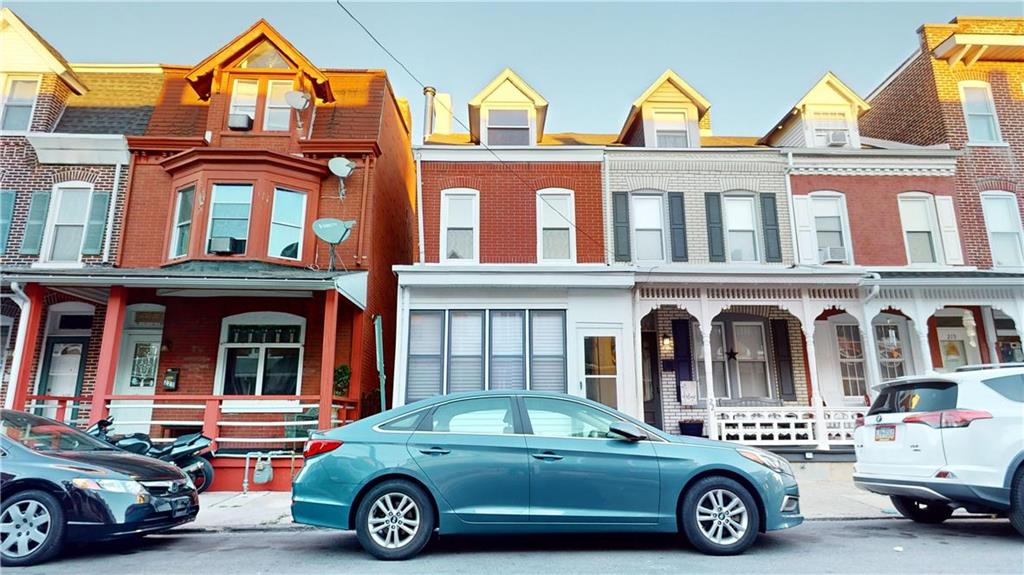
{"x": 57, "y": 62}
{"x": 833, "y": 82}
{"x": 507, "y": 75}
{"x": 669, "y": 75}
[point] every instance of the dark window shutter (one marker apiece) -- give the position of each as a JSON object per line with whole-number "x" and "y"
{"x": 683, "y": 356}
{"x": 93, "y": 243}
{"x": 783, "y": 358}
{"x": 770, "y": 223}
{"x": 620, "y": 223}
{"x": 37, "y": 210}
{"x": 677, "y": 226}
{"x": 6, "y": 214}
{"x": 716, "y": 231}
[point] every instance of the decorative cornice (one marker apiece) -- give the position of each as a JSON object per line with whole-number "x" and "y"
{"x": 206, "y": 156}
{"x": 163, "y": 143}
{"x": 334, "y": 147}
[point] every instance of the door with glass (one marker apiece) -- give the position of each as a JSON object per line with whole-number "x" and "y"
{"x": 956, "y": 349}
{"x": 750, "y": 360}
{"x": 62, "y": 372}
{"x": 599, "y": 369}
{"x": 136, "y": 375}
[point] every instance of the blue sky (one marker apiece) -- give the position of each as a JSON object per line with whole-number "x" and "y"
{"x": 590, "y": 60}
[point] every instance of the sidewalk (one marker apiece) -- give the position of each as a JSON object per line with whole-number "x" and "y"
{"x": 826, "y": 493}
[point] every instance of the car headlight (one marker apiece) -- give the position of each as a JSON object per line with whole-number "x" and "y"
{"x": 111, "y": 485}
{"x": 769, "y": 460}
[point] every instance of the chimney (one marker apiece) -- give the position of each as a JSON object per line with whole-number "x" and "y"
{"x": 428, "y": 111}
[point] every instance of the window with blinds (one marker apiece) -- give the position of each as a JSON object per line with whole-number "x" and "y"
{"x": 508, "y": 349}
{"x": 547, "y": 351}
{"x": 426, "y": 342}
{"x": 465, "y": 351}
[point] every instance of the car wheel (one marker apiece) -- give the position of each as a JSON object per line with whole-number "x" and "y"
{"x": 921, "y": 511}
{"x": 31, "y": 528}
{"x": 1017, "y": 501}
{"x": 200, "y": 471}
{"x": 395, "y": 520}
{"x": 719, "y": 516}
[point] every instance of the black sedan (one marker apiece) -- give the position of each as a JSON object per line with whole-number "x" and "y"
{"x": 60, "y": 485}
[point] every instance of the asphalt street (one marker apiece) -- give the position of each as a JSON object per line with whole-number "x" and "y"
{"x": 856, "y": 546}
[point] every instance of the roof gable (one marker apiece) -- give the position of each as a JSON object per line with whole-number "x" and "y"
{"x": 828, "y": 91}
{"x": 26, "y": 51}
{"x": 507, "y": 87}
{"x": 667, "y": 88}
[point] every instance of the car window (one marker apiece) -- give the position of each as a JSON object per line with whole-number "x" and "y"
{"x": 492, "y": 415}
{"x": 1009, "y": 386}
{"x": 407, "y": 423}
{"x": 41, "y": 434}
{"x": 560, "y": 418}
{"x": 916, "y": 397}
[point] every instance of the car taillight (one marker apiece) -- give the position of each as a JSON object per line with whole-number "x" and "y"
{"x": 318, "y": 446}
{"x": 947, "y": 419}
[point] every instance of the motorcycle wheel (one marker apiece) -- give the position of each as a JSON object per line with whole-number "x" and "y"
{"x": 200, "y": 470}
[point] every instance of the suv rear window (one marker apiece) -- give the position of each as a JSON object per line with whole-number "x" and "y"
{"x": 1009, "y": 386}
{"x": 914, "y": 397}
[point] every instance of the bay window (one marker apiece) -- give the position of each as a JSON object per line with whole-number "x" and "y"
{"x": 19, "y": 99}
{"x": 740, "y": 214}
{"x": 979, "y": 113}
{"x": 230, "y": 207}
{"x": 286, "y": 224}
{"x": 261, "y": 354}
{"x": 182, "y": 231}
{"x": 555, "y": 212}
{"x": 648, "y": 227}
{"x": 1002, "y": 220}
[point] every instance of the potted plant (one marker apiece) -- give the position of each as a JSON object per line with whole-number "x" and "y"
{"x": 342, "y": 374}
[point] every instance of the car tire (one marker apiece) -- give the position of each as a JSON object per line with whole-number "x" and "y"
{"x": 19, "y": 510}
{"x": 719, "y": 516}
{"x": 387, "y": 514}
{"x": 932, "y": 512}
{"x": 1017, "y": 501}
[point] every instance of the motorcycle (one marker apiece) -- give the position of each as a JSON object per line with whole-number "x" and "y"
{"x": 187, "y": 451}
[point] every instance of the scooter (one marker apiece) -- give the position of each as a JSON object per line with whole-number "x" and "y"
{"x": 187, "y": 451}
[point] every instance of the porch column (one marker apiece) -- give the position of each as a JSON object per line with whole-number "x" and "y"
{"x": 106, "y": 369}
{"x": 355, "y": 390}
{"x": 820, "y": 427}
{"x": 988, "y": 322}
{"x": 327, "y": 365}
{"x": 709, "y": 384}
{"x": 924, "y": 351}
{"x": 29, "y": 328}
{"x": 873, "y": 372}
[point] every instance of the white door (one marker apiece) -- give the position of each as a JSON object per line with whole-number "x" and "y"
{"x": 599, "y": 367}
{"x": 955, "y": 348}
{"x": 136, "y": 375}
{"x": 62, "y": 372}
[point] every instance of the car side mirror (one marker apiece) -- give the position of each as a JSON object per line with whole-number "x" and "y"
{"x": 627, "y": 431}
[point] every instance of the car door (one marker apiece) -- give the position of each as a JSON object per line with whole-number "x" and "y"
{"x": 578, "y": 474}
{"x": 474, "y": 453}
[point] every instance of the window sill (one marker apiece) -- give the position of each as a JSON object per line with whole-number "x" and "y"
{"x": 58, "y": 265}
{"x": 987, "y": 145}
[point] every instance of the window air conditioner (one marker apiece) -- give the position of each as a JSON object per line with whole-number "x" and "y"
{"x": 832, "y": 255}
{"x": 838, "y": 138}
{"x": 226, "y": 246}
{"x": 239, "y": 122}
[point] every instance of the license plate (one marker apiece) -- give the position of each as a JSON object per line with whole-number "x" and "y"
{"x": 885, "y": 433}
{"x": 179, "y": 506}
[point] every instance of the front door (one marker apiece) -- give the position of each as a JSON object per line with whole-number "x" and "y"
{"x": 63, "y": 370}
{"x": 955, "y": 348}
{"x": 652, "y": 381}
{"x": 600, "y": 366}
{"x": 136, "y": 375}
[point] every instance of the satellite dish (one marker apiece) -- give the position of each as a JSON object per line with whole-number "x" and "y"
{"x": 342, "y": 167}
{"x": 298, "y": 100}
{"x": 333, "y": 232}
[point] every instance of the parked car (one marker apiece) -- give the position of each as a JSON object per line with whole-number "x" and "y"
{"x": 934, "y": 444}
{"x": 531, "y": 462}
{"x": 59, "y": 485}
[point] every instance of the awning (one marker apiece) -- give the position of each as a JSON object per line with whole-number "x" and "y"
{"x": 971, "y": 48}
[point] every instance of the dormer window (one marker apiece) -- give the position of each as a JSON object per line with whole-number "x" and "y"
{"x": 262, "y": 100}
{"x": 277, "y": 115}
{"x": 670, "y": 129}
{"x": 508, "y": 127}
{"x": 19, "y": 98}
{"x": 831, "y": 129}
{"x": 244, "y": 96}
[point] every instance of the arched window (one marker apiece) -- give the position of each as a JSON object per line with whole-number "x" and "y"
{"x": 261, "y": 354}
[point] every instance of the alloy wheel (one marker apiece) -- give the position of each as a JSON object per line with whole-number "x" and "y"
{"x": 722, "y": 517}
{"x": 393, "y": 521}
{"x": 24, "y": 526}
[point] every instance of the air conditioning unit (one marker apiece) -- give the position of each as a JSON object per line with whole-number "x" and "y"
{"x": 838, "y": 138}
{"x": 226, "y": 246}
{"x": 239, "y": 122}
{"x": 832, "y": 255}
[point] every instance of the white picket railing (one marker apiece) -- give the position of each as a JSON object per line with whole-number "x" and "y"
{"x": 786, "y": 426}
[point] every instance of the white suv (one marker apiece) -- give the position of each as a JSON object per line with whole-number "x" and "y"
{"x": 940, "y": 442}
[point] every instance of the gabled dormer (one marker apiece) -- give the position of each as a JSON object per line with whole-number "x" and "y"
{"x": 669, "y": 114}
{"x": 826, "y": 117}
{"x": 507, "y": 112}
{"x": 35, "y": 79}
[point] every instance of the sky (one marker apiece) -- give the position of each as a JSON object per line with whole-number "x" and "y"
{"x": 590, "y": 60}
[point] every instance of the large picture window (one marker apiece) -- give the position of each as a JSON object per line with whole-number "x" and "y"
{"x": 261, "y": 354}
{"x": 286, "y": 224}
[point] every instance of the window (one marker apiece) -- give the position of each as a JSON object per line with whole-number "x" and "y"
{"x": 741, "y": 228}
{"x": 647, "y": 229}
{"x": 917, "y": 213}
{"x": 979, "y": 113}
{"x": 265, "y": 57}
{"x": 490, "y": 416}
{"x": 562, "y": 418}
{"x": 229, "y": 213}
{"x": 508, "y": 349}
{"x": 826, "y": 123}
{"x": 1009, "y": 386}
{"x": 67, "y": 220}
{"x": 891, "y": 355}
{"x": 828, "y": 227}
{"x": 556, "y": 237}
{"x": 751, "y": 359}
{"x": 508, "y": 127}
{"x": 465, "y": 351}
{"x": 547, "y": 351}
{"x": 600, "y": 369}
{"x": 1002, "y": 219}
{"x": 261, "y": 354}
{"x": 670, "y": 129}
{"x": 719, "y": 373}
{"x": 851, "y": 360}
{"x": 182, "y": 231}
{"x": 406, "y": 423}
{"x": 459, "y": 221}
{"x": 915, "y": 397}
{"x": 243, "y": 97}
{"x": 19, "y": 99}
{"x": 426, "y": 341}
{"x": 286, "y": 224}
{"x": 278, "y": 114}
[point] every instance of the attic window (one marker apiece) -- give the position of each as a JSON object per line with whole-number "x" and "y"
{"x": 264, "y": 57}
{"x": 670, "y": 129}
{"x": 830, "y": 129}
{"x": 508, "y": 128}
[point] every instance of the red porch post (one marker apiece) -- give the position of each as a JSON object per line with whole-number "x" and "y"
{"x": 28, "y": 348}
{"x": 356, "y": 361}
{"x": 109, "y": 348}
{"x": 327, "y": 358}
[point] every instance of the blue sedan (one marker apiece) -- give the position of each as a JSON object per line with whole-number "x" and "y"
{"x": 531, "y": 462}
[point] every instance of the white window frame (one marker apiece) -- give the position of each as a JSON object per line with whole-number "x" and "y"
{"x": 442, "y": 255}
{"x": 698, "y": 364}
{"x": 7, "y": 80}
{"x": 992, "y": 106}
{"x": 769, "y": 382}
{"x": 570, "y": 225}
{"x": 844, "y": 221}
{"x": 933, "y": 223}
{"x": 863, "y": 361}
{"x": 664, "y": 111}
{"x": 268, "y": 105}
{"x": 999, "y": 194}
{"x": 814, "y": 129}
{"x": 177, "y": 225}
{"x": 209, "y": 220}
{"x": 531, "y": 122}
{"x": 234, "y": 93}
{"x": 302, "y": 224}
{"x": 258, "y": 318}
{"x": 758, "y": 256}
{"x": 633, "y": 228}
{"x": 49, "y": 232}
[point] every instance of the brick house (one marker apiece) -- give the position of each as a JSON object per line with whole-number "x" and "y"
{"x": 220, "y": 311}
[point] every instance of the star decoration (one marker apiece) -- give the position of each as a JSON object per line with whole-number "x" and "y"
{"x": 731, "y": 354}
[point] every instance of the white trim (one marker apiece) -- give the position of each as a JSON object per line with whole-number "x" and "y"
{"x": 844, "y": 218}
{"x": 49, "y": 231}
{"x": 258, "y": 318}
{"x": 926, "y": 200}
{"x": 663, "y": 213}
{"x": 213, "y": 203}
{"x": 697, "y": 359}
{"x": 757, "y": 230}
{"x": 471, "y": 153}
{"x": 6, "y": 82}
{"x": 1003, "y": 195}
{"x": 267, "y": 106}
{"x": 176, "y": 225}
{"x": 991, "y": 106}
{"x": 767, "y": 364}
{"x": 846, "y": 320}
{"x": 234, "y": 92}
{"x": 80, "y": 149}
{"x": 301, "y": 226}
{"x": 655, "y": 111}
{"x": 570, "y": 225}
{"x": 443, "y": 236}
{"x": 485, "y": 122}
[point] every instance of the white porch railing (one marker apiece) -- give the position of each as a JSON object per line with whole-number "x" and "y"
{"x": 785, "y": 426}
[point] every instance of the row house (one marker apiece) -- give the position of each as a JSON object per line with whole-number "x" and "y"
{"x": 263, "y": 203}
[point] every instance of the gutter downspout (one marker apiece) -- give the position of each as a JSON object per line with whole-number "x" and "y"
{"x": 798, "y": 260}
{"x": 419, "y": 207}
{"x": 25, "y": 304}
{"x": 110, "y": 213}
{"x": 607, "y": 209}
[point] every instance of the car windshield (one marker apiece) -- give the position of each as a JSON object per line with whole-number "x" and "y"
{"x": 916, "y": 397}
{"x": 41, "y": 434}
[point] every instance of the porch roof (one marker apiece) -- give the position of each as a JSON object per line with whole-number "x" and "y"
{"x": 946, "y": 277}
